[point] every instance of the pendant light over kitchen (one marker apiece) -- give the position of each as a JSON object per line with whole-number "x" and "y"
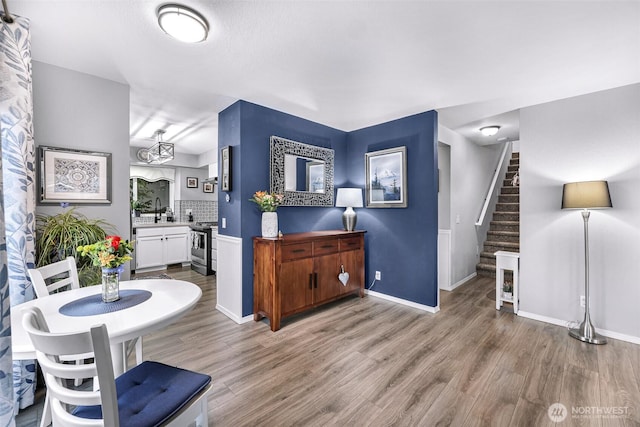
{"x": 160, "y": 152}
{"x": 183, "y": 23}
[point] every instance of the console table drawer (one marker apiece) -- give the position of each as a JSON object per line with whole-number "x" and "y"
{"x": 350, "y": 244}
{"x": 325, "y": 247}
{"x": 296, "y": 251}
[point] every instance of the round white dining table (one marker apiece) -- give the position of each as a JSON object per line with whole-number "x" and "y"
{"x": 170, "y": 300}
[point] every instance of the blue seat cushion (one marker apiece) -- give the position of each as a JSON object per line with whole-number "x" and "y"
{"x": 150, "y": 394}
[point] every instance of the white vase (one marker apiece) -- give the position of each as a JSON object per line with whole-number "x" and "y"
{"x": 269, "y": 224}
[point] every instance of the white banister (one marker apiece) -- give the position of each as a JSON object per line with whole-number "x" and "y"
{"x": 492, "y": 188}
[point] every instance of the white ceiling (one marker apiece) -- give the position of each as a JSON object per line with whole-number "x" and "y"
{"x": 345, "y": 64}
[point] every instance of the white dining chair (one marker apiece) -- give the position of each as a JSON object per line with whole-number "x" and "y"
{"x": 62, "y": 276}
{"x": 150, "y": 394}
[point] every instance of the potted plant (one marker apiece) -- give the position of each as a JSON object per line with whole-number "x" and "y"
{"x": 507, "y": 290}
{"x": 268, "y": 203}
{"x": 58, "y": 236}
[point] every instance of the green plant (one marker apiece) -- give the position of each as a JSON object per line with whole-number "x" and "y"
{"x": 143, "y": 201}
{"x": 507, "y": 287}
{"x": 58, "y": 236}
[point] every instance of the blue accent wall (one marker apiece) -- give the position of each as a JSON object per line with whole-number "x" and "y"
{"x": 400, "y": 242}
{"x": 249, "y": 127}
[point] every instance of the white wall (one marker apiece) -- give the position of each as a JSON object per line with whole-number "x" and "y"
{"x": 471, "y": 172}
{"x": 184, "y": 193}
{"x": 79, "y": 111}
{"x": 444, "y": 186}
{"x": 590, "y": 137}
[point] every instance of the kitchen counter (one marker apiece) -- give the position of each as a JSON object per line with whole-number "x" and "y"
{"x": 163, "y": 224}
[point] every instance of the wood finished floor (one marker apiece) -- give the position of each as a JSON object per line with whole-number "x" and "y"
{"x": 370, "y": 362}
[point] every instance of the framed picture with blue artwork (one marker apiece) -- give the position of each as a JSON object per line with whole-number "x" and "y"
{"x": 73, "y": 176}
{"x": 386, "y": 178}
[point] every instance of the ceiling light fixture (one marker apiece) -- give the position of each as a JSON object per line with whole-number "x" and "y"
{"x": 160, "y": 152}
{"x": 183, "y": 23}
{"x": 489, "y": 130}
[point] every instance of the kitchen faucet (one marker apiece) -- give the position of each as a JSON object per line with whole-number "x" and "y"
{"x": 157, "y": 215}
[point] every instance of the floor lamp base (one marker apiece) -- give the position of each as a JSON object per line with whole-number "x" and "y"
{"x": 586, "y": 333}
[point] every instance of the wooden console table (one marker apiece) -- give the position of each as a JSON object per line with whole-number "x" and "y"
{"x": 300, "y": 271}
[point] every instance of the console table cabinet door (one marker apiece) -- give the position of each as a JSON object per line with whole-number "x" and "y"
{"x": 352, "y": 261}
{"x": 296, "y": 285}
{"x": 299, "y": 271}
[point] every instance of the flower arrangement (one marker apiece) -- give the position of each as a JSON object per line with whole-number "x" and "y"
{"x": 267, "y": 202}
{"x": 111, "y": 252}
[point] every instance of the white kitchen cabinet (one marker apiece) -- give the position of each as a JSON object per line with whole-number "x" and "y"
{"x": 214, "y": 248}
{"x": 156, "y": 247}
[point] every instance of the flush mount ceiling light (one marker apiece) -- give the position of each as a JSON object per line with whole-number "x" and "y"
{"x": 183, "y": 23}
{"x": 489, "y": 130}
{"x": 160, "y": 152}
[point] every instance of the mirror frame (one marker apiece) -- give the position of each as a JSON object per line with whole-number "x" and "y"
{"x": 280, "y": 147}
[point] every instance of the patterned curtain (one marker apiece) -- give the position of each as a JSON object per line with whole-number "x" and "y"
{"x": 18, "y": 203}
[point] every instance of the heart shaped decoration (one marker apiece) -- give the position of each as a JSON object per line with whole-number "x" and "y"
{"x": 344, "y": 278}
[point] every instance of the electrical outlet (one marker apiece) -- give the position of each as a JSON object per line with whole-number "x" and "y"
{"x": 582, "y": 303}
{"x": 378, "y": 275}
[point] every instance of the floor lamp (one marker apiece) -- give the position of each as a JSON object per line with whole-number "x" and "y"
{"x": 586, "y": 195}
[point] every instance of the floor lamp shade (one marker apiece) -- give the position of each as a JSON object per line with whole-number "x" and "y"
{"x": 586, "y": 195}
{"x": 349, "y": 198}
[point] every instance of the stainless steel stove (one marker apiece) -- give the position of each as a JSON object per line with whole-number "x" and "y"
{"x": 201, "y": 233}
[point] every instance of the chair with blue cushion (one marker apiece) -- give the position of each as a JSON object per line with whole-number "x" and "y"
{"x": 150, "y": 394}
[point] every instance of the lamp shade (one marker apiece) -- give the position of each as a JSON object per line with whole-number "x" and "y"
{"x": 349, "y": 198}
{"x": 586, "y": 195}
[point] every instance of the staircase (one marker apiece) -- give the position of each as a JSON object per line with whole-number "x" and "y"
{"x": 504, "y": 232}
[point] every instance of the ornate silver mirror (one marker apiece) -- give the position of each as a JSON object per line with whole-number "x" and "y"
{"x": 302, "y": 172}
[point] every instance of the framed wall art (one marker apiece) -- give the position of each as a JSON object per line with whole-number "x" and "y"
{"x": 73, "y": 176}
{"x": 192, "y": 182}
{"x": 225, "y": 155}
{"x": 207, "y": 187}
{"x": 386, "y": 178}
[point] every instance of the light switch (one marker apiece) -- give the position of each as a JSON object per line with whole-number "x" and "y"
{"x": 457, "y": 219}
{"x": 224, "y": 222}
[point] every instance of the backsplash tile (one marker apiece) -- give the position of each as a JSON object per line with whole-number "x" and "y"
{"x": 202, "y": 210}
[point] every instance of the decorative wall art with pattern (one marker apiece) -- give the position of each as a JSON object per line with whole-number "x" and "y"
{"x": 74, "y": 176}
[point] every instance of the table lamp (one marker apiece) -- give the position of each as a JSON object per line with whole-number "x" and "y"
{"x": 349, "y": 198}
{"x": 586, "y": 195}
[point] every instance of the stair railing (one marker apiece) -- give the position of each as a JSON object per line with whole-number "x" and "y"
{"x": 492, "y": 193}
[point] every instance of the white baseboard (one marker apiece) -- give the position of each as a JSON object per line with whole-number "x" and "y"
{"x": 565, "y": 323}
{"x": 233, "y": 316}
{"x": 460, "y": 282}
{"x": 422, "y": 307}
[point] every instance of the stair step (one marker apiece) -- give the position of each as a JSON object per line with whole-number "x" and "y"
{"x": 493, "y": 247}
{"x": 515, "y": 155}
{"x": 508, "y": 207}
{"x": 509, "y": 198}
{"x": 505, "y": 226}
{"x": 485, "y": 270}
{"x": 507, "y": 183}
{"x": 504, "y": 236}
{"x": 506, "y": 216}
{"x": 513, "y": 168}
{"x": 509, "y": 189}
{"x": 514, "y": 161}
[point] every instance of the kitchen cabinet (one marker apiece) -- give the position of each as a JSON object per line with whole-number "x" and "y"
{"x": 156, "y": 247}
{"x": 214, "y": 248}
{"x": 300, "y": 271}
